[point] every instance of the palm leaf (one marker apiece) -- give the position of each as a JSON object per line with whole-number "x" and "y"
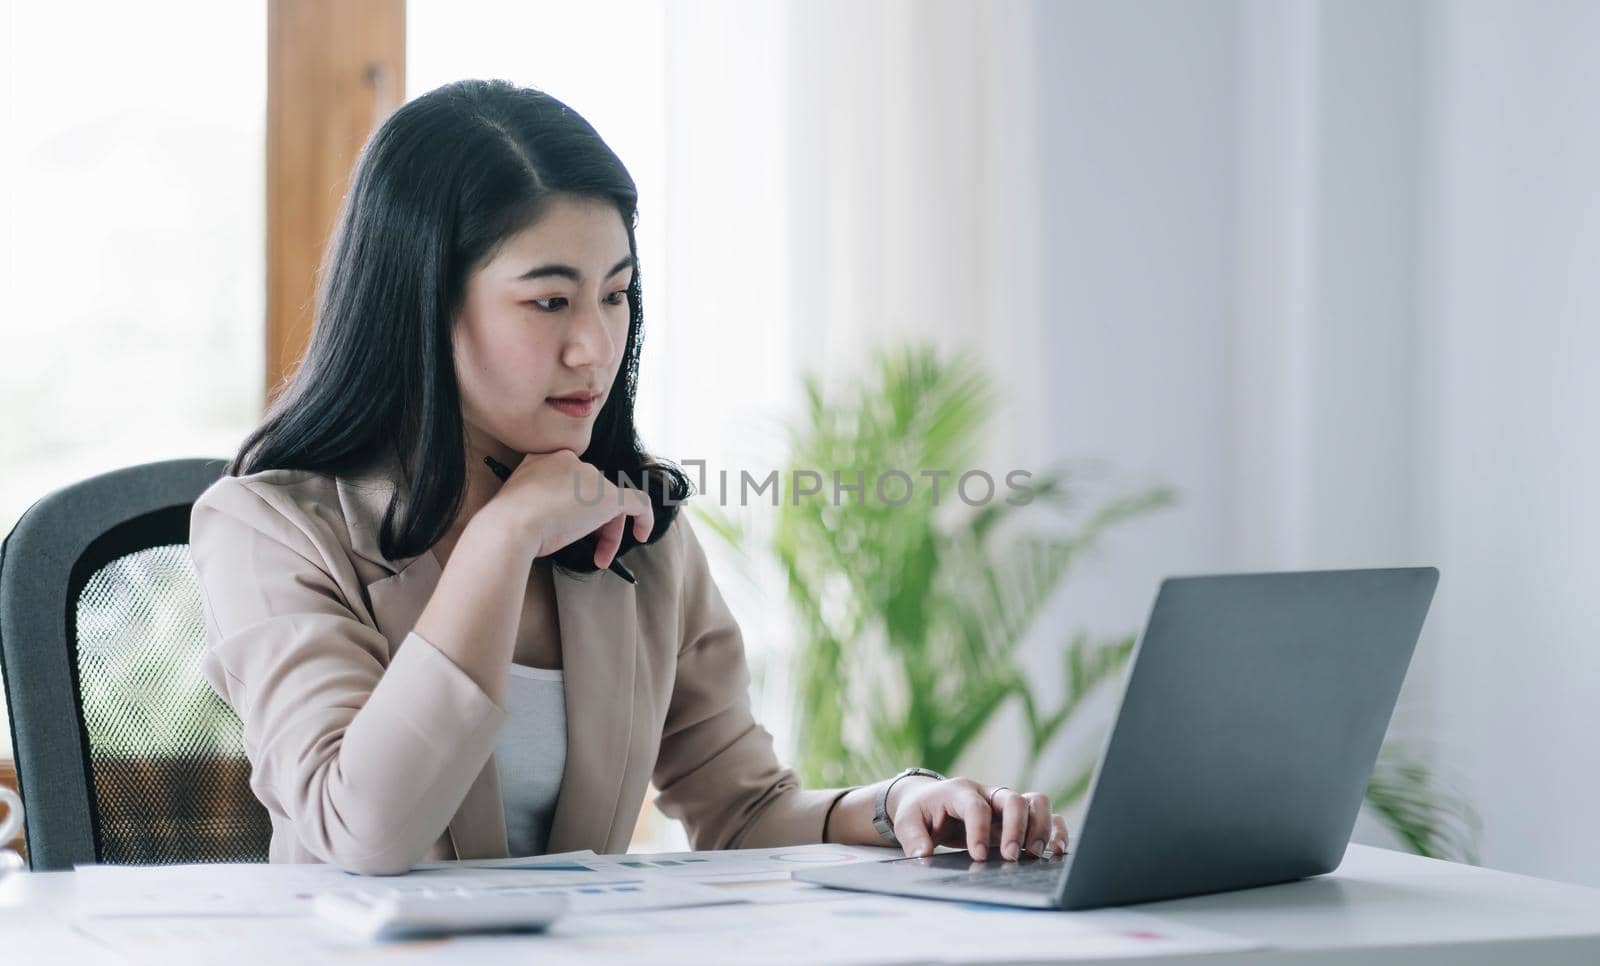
{"x": 1429, "y": 820}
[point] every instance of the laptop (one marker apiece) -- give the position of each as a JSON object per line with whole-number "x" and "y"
{"x": 1249, "y": 726}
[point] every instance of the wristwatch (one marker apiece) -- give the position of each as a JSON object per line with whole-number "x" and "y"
{"x": 880, "y": 809}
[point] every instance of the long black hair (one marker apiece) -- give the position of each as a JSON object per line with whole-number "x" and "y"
{"x": 436, "y": 190}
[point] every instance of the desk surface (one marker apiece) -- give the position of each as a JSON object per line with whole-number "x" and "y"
{"x": 1380, "y": 907}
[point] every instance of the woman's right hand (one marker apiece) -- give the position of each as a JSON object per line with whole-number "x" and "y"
{"x": 556, "y": 498}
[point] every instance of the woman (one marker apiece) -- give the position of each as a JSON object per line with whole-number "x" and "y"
{"x": 431, "y": 663}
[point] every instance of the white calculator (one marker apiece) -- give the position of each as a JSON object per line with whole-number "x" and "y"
{"x": 379, "y": 913}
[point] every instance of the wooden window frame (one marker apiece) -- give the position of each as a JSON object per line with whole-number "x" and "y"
{"x": 8, "y": 779}
{"x": 335, "y": 70}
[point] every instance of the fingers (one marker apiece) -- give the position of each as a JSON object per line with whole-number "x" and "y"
{"x": 608, "y": 540}
{"x": 1058, "y": 840}
{"x": 636, "y": 513}
{"x": 975, "y": 815}
{"x": 557, "y": 498}
{"x": 633, "y": 510}
{"x": 913, "y": 833}
{"x": 1014, "y": 818}
{"x": 644, "y": 517}
{"x": 963, "y": 812}
{"x": 1039, "y": 827}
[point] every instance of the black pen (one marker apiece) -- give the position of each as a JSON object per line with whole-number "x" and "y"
{"x": 504, "y": 472}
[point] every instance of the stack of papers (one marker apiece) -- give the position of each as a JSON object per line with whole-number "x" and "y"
{"x": 700, "y": 907}
{"x": 591, "y": 883}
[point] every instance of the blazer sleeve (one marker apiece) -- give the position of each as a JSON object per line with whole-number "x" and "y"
{"x": 368, "y": 763}
{"x": 716, "y": 771}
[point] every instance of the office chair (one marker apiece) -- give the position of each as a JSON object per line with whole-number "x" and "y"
{"x": 124, "y": 753}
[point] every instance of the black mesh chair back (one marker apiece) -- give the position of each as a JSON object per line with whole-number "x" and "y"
{"x": 124, "y": 753}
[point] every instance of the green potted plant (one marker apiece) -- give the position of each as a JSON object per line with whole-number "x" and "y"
{"x": 909, "y": 614}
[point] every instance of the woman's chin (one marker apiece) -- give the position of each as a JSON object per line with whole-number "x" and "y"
{"x": 575, "y": 440}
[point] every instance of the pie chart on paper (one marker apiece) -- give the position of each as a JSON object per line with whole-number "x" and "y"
{"x": 814, "y": 858}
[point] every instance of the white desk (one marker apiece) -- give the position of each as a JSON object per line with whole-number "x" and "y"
{"x": 1380, "y": 907}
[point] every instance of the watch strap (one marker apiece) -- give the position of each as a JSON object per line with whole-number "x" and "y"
{"x": 880, "y": 809}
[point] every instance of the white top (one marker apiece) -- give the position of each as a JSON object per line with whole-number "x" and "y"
{"x": 531, "y": 754}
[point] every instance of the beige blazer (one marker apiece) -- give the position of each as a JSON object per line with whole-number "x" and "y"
{"x": 373, "y": 750}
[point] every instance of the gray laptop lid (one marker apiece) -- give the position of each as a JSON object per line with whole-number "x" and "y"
{"x": 1249, "y": 726}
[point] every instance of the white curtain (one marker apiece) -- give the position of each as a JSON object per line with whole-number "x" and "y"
{"x": 845, "y": 175}
{"x": 1414, "y": 377}
{"x": 840, "y": 176}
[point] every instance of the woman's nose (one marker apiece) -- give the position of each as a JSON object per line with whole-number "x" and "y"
{"x": 589, "y": 341}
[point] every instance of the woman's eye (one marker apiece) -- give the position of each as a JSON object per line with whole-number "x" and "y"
{"x": 619, "y": 297}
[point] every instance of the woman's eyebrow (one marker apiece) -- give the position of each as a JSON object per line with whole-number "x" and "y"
{"x": 568, "y": 272}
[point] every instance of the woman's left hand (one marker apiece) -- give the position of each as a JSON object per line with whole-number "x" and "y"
{"x": 967, "y": 814}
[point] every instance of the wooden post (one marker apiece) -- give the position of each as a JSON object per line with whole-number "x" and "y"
{"x": 335, "y": 70}
{"x": 8, "y": 779}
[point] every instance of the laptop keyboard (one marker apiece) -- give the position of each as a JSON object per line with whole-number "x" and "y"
{"x": 1024, "y": 877}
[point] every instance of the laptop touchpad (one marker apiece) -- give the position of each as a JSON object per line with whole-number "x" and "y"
{"x": 964, "y": 862}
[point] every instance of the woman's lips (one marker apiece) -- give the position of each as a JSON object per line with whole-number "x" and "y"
{"x": 578, "y": 406}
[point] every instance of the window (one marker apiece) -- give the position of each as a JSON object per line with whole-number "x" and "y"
{"x": 133, "y": 270}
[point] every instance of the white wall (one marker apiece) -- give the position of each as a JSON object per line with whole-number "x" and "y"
{"x": 1137, "y": 131}
{"x": 1512, "y": 313}
{"x": 1328, "y": 268}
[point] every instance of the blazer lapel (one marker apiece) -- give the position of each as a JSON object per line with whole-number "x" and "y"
{"x": 600, "y": 653}
{"x": 599, "y": 630}
{"x": 478, "y": 828}
{"x": 364, "y": 495}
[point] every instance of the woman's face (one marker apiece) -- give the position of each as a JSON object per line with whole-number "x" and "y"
{"x": 542, "y": 329}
